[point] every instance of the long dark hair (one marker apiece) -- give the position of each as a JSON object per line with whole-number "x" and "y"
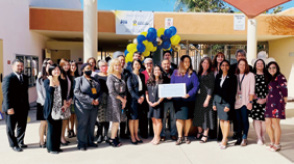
{"x": 181, "y": 69}
{"x": 51, "y": 68}
{"x": 220, "y": 70}
{"x": 272, "y": 78}
{"x": 200, "y": 66}
{"x": 44, "y": 73}
{"x": 76, "y": 73}
{"x": 151, "y": 81}
{"x": 63, "y": 73}
{"x": 247, "y": 69}
{"x": 136, "y": 60}
{"x": 265, "y": 71}
{"x": 214, "y": 61}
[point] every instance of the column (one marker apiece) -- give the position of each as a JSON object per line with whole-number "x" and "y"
{"x": 251, "y": 40}
{"x": 90, "y": 29}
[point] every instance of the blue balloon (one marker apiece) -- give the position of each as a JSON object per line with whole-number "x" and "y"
{"x": 152, "y": 30}
{"x": 141, "y": 48}
{"x": 126, "y": 52}
{"x": 154, "y": 43}
{"x": 164, "y": 38}
{"x": 168, "y": 33}
{"x": 151, "y": 37}
{"x": 141, "y": 38}
{"x": 174, "y": 30}
{"x": 166, "y": 44}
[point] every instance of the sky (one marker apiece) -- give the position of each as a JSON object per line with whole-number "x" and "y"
{"x": 150, "y": 5}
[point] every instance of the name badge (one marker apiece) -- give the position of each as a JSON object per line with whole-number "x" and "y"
{"x": 240, "y": 96}
{"x": 199, "y": 91}
{"x": 94, "y": 91}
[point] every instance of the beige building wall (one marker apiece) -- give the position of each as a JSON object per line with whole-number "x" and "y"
{"x": 282, "y": 50}
{"x": 75, "y": 48}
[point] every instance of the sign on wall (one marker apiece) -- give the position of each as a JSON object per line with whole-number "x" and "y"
{"x": 133, "y": 22}
{"x": 239, "y": 22}
{"x": 169, "y": 22}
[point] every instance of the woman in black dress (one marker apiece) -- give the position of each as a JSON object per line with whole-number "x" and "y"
{"x": 224, "y": 98}
{"x": 258, "y": 108}
{"x": 137, "y": 88}
{"x": 155, "y": 105}
{"x": 203, "y": 113}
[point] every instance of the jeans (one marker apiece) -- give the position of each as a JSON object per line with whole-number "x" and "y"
{"x": 242, "y": 122}
{"x": 168, "y": 106}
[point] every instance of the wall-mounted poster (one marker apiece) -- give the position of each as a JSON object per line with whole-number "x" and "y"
{"x": 169, "y": 22}
{"x": 133, "y": 22}
{"x": 239, "y": 22}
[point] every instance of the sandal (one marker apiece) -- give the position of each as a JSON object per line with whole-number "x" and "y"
{"x": 276, "y": 148}
{"x": 198, "y": 136}
{"x": 179, "y": 141}
{"x": 202, "y": 140}
{"x": 114, "y": 143}
{"x": 187, "y": 140}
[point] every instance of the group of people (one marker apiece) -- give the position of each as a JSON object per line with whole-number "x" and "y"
{"x": 126, "y": 95}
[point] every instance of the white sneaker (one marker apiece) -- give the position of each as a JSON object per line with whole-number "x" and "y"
{"x": 259, "y": 142}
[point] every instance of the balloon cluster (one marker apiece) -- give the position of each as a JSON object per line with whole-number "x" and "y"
{"x": 152, "y": 40}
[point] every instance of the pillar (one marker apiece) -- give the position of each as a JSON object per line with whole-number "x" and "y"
{"x": 251, "y": 40}
{"x": 90, "y": 29}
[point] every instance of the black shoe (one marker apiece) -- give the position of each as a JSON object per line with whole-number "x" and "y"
{"x": 114, "y": 143}
{"x": 139, "y": 141}
{"x": 17, "y": 149}
{"x": 100, "y": 139}
{"x": 235, "y": 136}
{"x": 82, "y": 148}
{"x": 92, "y": 145}
{"x": 174, "y": 138}
{"x": 64, "y": 144}
{"x": 23, "y": 146}
{"x": 239, "y": 141}
{"x": 43, "y": 145}
{"x": 162, "y": 138}
{"x": 134, "y": 143}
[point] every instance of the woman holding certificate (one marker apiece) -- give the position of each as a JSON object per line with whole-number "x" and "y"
{"x": 184, "y": 106}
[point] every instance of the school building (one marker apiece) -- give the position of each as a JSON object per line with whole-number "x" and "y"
{"x": 35, "y": 29}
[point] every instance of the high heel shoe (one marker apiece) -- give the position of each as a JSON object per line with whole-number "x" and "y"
{"x": 134, "y": 143}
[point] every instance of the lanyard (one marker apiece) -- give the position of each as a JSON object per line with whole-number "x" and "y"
{"x": 240, "y": 82}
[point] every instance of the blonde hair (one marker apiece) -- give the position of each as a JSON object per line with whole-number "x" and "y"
{"x": 113, "y": 62}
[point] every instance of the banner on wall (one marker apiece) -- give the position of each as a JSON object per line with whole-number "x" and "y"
{"x": 133, "y": 22}
{"x": 168, "y": 22}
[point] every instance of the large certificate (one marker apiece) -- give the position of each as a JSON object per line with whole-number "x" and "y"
{"x": 172, "y": 90}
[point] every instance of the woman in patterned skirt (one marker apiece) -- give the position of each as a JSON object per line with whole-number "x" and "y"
{"x": 275, "y": 105}
{"x": 258, "y": 108}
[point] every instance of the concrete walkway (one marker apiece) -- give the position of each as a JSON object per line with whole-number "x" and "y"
{"x": 166, "y": 152}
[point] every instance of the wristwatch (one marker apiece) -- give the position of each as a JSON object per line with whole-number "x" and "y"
{"x": 251, "y": 102}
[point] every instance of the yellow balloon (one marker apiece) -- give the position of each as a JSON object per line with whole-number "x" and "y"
{"x": 129, "y": 57}
{"x": 146, "y": 53}
{"x": 160, "y": 32}
{"x": 144, "y": 33}
{"x": 175, "y": 40}
{"x": 154, "y": 49}
{"x": 149, "y": 46}
{"x": 132, "y": 47}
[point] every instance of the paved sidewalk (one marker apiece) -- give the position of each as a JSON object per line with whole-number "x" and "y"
{"x": 167, "y": 152}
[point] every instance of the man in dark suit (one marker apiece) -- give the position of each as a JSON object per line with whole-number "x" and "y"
{"x": 16, "y": 105}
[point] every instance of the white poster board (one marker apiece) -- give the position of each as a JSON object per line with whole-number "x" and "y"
{"x": 239, "y": 22}
{"x": 133, "y": 22}
{"x": 172, "y": 90}
{"x": 168, "y": 22}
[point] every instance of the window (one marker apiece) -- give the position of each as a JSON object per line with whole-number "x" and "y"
{"x": 31, "y": 67}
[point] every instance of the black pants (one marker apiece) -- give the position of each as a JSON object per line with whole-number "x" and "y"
{"x": 53, "y": 134}
{"x": 143, "y": 120}
{"x": 102, "y": 126}
{"x": 18, "y": 121}
{"x": 86, "y": 126}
